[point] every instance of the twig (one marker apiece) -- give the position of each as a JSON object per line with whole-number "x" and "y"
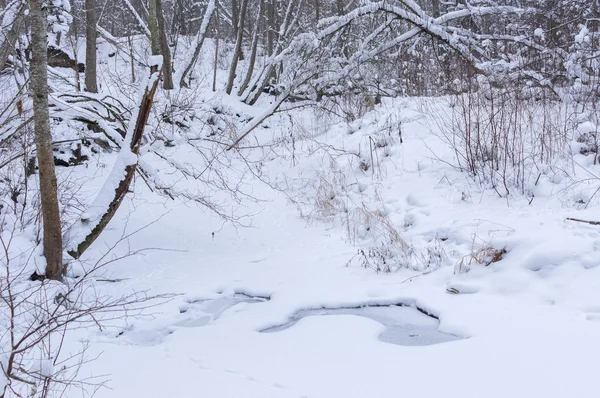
{"x": 584, "y": 221}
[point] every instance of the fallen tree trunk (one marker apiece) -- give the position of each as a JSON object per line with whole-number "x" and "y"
{"x": 84, "y": 232}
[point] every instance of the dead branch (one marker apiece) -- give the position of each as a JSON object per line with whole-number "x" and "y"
{"x": 584, "y": 221}
{"x": 123, "y": 186}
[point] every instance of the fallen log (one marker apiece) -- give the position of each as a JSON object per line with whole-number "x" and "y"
{"x": 91, "y": 223}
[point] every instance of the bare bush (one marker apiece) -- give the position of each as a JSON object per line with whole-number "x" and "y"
{"x": 38, "y": 314}
{"x": 504, "y": 138}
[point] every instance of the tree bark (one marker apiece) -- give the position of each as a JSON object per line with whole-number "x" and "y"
{"x": 270, "y": 26}
{"x": 52, "y": 242}
{"x": 234, "y": 17}
{"x": 216, "y": 60}
{"x": 238, "y": 46}
{"x": 253, "y": 51}
{"x": 153, "y": 27}
{"x": 7, "y": 46}
{"x": 91, "y": 84}
{"x": 160, "y": 45}
{"x": 167, "y": 69}
{"x": 435, "y": 8}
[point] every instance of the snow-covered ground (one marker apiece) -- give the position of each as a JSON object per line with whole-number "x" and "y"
{"x": 256, "y": 311}
{"x": 525, "y": 326}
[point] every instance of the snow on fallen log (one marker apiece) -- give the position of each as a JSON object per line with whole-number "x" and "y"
{"x": 93, "y": 221}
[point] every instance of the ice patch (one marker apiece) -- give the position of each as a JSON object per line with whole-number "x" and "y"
{"x": 406, "y": 326}
{"x": 193, "y": 313}
{"x": 202, "y": 312}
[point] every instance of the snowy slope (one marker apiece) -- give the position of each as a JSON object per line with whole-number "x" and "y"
{"x": 528, "y": 327}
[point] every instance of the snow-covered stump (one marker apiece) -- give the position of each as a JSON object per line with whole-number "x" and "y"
{"x": 91, "y": 223}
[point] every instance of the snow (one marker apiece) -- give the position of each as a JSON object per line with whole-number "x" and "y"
{"x": 286, "y": 309}
{"x": 46, "y": 367}
{"x": 539, "y": 32}
{"x": 587, "y": 127}
{"x": 528, "y": 324}
{"x": 155, "y": 60}
{"x": 582, "y": 35}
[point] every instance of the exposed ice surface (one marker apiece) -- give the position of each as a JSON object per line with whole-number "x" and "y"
{"x": 405, "y": 325}
{"x": 193, "y": 313}
{"x": 201, "y": 312}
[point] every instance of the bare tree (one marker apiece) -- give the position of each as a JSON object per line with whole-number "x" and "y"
{"x": 90, "y": 46}
{"x": 216, "y": 58}
{"x": 160, "y": 44}
{"x": 200, "y": 41}
{"x": 52, "y": 241}
{"x": 8, "y": 39}
{"x": 253, "y": 50}
{"x": 234, "y": 16}
{"x": 164, "y": 46}
{"x": 271, "y": 28}
{"x": 238, "y": 46}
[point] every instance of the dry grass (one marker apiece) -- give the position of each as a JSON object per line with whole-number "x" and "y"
{"x": 483, "y": 256}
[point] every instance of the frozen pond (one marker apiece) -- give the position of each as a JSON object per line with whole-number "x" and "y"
{"x": 202, "y": 312}
{"x": 405, "y": 325}
{"x": 192, "y": 313}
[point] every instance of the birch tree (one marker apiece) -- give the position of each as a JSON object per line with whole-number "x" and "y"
{"x": 52, "y": 237}
{"x": 210, "y": 9}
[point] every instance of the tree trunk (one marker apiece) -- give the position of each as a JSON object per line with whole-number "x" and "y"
{"x": 153, "y": 27}
{"x": 200, "y": 40}
{"x": 131, "y": 58}
{"x": 238, "y": 46}
{"x": 253, "y": 51}
{"x": 234, "y": 17}
{"x": 52, "y": 243}
{"x": 216, "y": 61}
{"x": 435, "y": 9}
{"x": 339, "y": 5}
{"x": 271, "y": 26}
{"x": 164, "y": 47}
{"x": 8, "y": 44}
{"x": 91, "y": 84}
